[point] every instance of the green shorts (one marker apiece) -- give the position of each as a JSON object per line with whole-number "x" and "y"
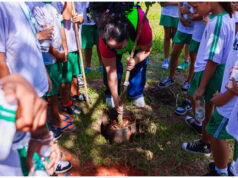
{"x": 71, "y": 67}
{"x": 90, "y": 36}
{"x": 182, "y": 38}
{"x": 169, "y": 21}
{"x": 54, "y": 72}
{"x": 193, "y": 46}
{"x": 212, "y": 87}
{"x": 217, "y": 126}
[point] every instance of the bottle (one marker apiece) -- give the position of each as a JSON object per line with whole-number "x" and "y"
{"x": 80, "y": 81}
{"x": 234, "y": 74}
{"x": 200, "y": 110}
{"x": 38, "y": 162}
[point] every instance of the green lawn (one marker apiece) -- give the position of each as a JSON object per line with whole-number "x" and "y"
{"x": 158, "y": 152}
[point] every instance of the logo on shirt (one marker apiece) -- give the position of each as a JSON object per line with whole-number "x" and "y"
{"x": 235, "y": 44}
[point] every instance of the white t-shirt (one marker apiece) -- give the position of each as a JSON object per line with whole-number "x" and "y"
{"x": 181, "y": 28}
{"x": 216, "y": 41}
{"x": 170, "y": 10}
{"x": 232, "y": 126}
{"x": 198, "y": 30}
{"x": 226, "y": 109}
{"x": 85, "y": 8}
{"x": 48, "y": 14}
{"x": 70, "y": 30}
{"x": 236, "y": 16}
{"x": 20, "y": 45}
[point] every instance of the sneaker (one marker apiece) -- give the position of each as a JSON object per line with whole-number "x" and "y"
{"x": 110, "y": 102}
{"x": 80, "y": 82}
{"x": 165, "y": 64}
{"x": 230, "y": 169}
{"x": 166, "y": 83}
{"x": 100, "y": 69}
{"x": 73, "y": 109}
{"x": 191, "y": 123}
{"x": 56, "y": 132}
{"x": 139, "y": 102}
{"x": 185, "y": 87}
{"x": 197, "y": 147}
{"x": 183, "y": 65}
{"x": 215, "y": 173}
{"x": 62, "y": 167}
{"x": 184, "y": 107}
{"x": 81, "y": 97}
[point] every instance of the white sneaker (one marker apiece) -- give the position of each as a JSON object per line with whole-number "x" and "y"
{"x": 62, "y": 166}
{"x": 110, "y": 102}
{"x": 165, "y": 64}
{"x": 139, "y": 102}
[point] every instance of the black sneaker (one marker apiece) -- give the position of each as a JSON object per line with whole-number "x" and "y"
{"x": 81, "y": 97}
{"x": 230, "y": 169}
{"x": 197, "y": 146}
{"x": 73, "y": 109}
{"x": 62, "y": 167}
{"x": 185, "y": 87}
{"x": 191, "y": 123}
{"x": 166, "y": 83}
{"x": 214, "y": 173}
{"x": 56, "y": 132}
{"x": 184, "y": 107}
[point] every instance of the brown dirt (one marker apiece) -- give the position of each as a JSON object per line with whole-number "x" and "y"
{"x": 91, "y": 169}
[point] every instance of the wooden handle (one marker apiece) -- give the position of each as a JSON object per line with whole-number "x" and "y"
{"x": 81, "y": 57}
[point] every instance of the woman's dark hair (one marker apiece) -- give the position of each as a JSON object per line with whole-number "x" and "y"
{"x": 111, "y": 20}
{"x": 227, "y": 7}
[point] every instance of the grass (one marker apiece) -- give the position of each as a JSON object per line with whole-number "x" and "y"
{"x": 158, "y": 150}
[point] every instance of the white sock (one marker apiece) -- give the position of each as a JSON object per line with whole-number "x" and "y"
{"x": 221, "y": 171}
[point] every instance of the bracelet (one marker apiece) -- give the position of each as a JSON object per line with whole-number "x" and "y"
{"x": 44, "y": 140}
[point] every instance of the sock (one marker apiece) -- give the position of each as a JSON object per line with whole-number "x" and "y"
{"x": 68, "y": 104}
{"x": 221, "y": 171}
{"x": 200, "y": 125}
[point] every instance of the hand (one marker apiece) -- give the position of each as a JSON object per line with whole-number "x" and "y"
{"x": 131, "y": 62}
{"x": 205, "y": 20}
{"x": 66, "y": 56}
{"x": 60, "y": 56}
{"x": 216, "y": 97}
{"x": 31, "y": 112}
{"x": 234, "y": 88}
{"x": 119, "y": 109}
{"x": 199, "y": 94}
{"x": 35, "y": 147}
{"x": 78, "y": 18}
{"x": 45, "y": 34}
{"x": 185, "y": 9}
{"x": 185, "y": 22}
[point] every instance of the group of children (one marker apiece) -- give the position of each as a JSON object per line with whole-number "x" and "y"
{"x": 209, "y": 28}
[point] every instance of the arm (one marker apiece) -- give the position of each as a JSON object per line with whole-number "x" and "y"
{"x": 111, "y": 69}
{"x": 4, "y": 71}
{"x": 209, "y": 70}
{"x": 45, "y": 34}
{"x": 196, "y": 17}
{"x": 221, "y": 99}
{"x": 64, "y": 43}
{"x": 67, "y": 11}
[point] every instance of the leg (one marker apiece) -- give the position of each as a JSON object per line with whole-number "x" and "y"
{"x": 177, "y": 49}
{"x": 137, "y": 80}
{"x": 173, "y": 32}
{"x": 167, "y": 37}
{"x": 88, "y": 57}
{"x": 193, "y": 57}
{"x": 186, "y": 53}
{"x": 220, "y": 152}
{"x": 74, "y": 87}
{"x": 64, "y": 92}
{"x": 99, "y": 56}
{"x": 209, "y": 108}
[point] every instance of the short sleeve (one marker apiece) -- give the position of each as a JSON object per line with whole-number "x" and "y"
{"x": 104, "y": 50}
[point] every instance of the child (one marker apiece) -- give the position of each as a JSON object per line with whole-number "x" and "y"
{"x": 209, "y": 66}
{"x": 169, "y": 19}
{"x": 182, "y": 36}
{"x": 71, "y": 68}
{"x": 90, "y": 36}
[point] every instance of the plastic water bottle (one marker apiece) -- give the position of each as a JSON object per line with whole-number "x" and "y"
{"x": 39, "y": 166}
{"x": 200, "y": 110}
{"x": 234, "y": 74}
{"x": 80, "y": 81}
{"x": 45, "y": 44}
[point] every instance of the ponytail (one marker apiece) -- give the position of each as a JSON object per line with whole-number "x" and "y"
{"x": 227, "y": 7}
